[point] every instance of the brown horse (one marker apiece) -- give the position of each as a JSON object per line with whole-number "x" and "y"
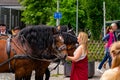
{"x": 70, "y": 47}
{"x": 42, "y": 68}
{"x": 18, "y": 54}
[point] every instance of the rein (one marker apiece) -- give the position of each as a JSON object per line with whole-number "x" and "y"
{"x": 34, "y": 58}
{"x": 55, "y": 66}
{"x": 14, "y": 57}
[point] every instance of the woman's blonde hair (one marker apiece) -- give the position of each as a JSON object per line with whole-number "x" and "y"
{"x": 83, "y": 39}
{"x": 115, "y": 52}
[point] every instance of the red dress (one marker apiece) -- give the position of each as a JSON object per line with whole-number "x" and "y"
{"x": 80, "y": 70}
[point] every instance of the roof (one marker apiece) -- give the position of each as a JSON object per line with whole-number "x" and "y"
{"x": 13, "y": 4}
{"x": 9, "y": 3}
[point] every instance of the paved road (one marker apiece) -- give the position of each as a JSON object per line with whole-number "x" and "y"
{"x": 54, "y": 75}
{"x": 62, "y": 77}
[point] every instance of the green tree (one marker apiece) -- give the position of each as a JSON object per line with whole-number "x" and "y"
{"x": 90, "y": 13}
{"x": 112, "y": 10}
{"x": 36, "y": 11}
{"x": 68, "y": 10}
{"x": 94, "y": 10}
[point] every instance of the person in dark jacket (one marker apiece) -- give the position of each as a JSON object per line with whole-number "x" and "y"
{"x": 3, "y": 30}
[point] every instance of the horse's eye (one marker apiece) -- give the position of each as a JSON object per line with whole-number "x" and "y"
{"x": 61, "y": 38}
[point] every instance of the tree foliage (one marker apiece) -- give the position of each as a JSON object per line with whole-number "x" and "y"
{"x": 90, "y": 13}
{"x": 36, "y": 11}
{"x": 94, "y": 16}
{"x": 94, "y": 9}
{"x": 68, "y": 10}
{"x": 112, "y": 9}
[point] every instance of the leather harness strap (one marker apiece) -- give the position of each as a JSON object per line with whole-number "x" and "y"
{"x": 8, "y": 49}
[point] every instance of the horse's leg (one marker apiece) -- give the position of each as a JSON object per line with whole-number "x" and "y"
{"x": 38, "y": 75}
{"x": 22, "y": 74}
{"x": 18, "y": 78}
{"x": 47, "y": 74}
{"x": 28, "y": 77}
{"x": 23, "y": 78}
{"x": 40, "y": 69}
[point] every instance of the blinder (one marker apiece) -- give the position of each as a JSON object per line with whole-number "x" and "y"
{"x": 60, "y": 48}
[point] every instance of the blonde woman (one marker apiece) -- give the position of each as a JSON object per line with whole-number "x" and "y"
{"x": 114, "y": 72}
{"x": 79, "y": 60}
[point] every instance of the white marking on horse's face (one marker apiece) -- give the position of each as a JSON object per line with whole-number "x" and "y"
{"x": 61, "y": 38}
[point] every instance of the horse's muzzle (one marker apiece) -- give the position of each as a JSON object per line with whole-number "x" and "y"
{"x": 62, "y": 56}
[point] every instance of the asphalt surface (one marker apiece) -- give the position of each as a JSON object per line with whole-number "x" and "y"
{"x": 57, "y": 74}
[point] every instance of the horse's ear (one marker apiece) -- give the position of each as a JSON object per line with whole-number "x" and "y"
{"x": 59, "y": 28}
{"x": 69, "y": 26}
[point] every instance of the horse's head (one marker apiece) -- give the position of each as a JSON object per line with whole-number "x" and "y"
{"x": 69, "y": 38}
{"x": 59, "y": 46}
{"x": 71, "y": 42}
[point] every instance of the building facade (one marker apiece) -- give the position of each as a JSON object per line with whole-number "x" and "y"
{"x": 10, "y": 13}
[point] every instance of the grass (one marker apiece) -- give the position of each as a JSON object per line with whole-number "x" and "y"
{"x": 56, "y": 75}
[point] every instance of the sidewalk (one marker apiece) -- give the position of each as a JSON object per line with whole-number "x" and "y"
{"x": 54, "y": 75}
{"x": 60, "y": 76}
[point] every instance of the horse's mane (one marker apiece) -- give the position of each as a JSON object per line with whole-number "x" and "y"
{"x": 64, "y": 28}
{"x": 69, "y": 38}
{"x": 39, "y": 37}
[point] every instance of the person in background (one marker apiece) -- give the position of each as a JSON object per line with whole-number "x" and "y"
{"x": 109, "y": 37}
{"x": 15, "y": 31}
{"x": 79, "y": 60}
{"x": 3, "y": 30}
{"x": 114, "y": 72}
{"x": 114, "y": 27}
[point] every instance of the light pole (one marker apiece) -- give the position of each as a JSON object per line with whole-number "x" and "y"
{"x": 104, "y": 16}
{"x": 57, "y": 20}
{"x": 57, "y": 24}
{"x": 77, "y": 19}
